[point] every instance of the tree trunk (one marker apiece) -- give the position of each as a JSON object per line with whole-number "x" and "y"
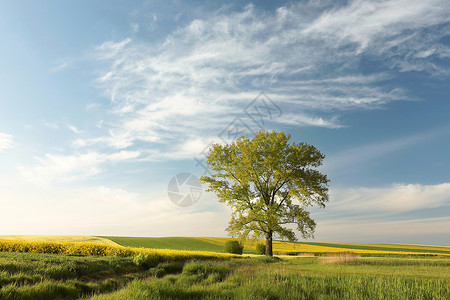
{"x": 269, "y": 243}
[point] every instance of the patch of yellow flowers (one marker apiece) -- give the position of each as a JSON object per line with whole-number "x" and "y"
{"x": 288, "y": 247}
{"x": 79, "y": 248}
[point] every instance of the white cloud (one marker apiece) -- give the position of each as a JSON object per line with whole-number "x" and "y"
{"x": 305, "y": 120}
{"x": 60, "y": 67}
{"x": 429, "y": 230}
{"x": 193, "y": 147}
{"x": 67, "y": 168}
{"x": 74, "y": 129}
{"x": 385, "y": 214}
{"x": 305, "y": 57}
{"x": 104, "y": 210}
{"x": 356, "y": 156}
{"x": 178, "y": 95}
{"x": 6, "y": 141}
{"x": 364, "y": 22}
{"x": 398, "y": 198}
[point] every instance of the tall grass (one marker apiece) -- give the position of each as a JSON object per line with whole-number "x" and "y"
{"x": 272, "y": 279}
{"x": 150, "y": 276}
{"x": 50, "y": 276}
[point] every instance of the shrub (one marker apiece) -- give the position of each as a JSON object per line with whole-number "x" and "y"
{"x": 146, "y": 261}
{"x": 173, "y": 267}
{"x": 234, "y": 247}
{"x": 260, "y": 249}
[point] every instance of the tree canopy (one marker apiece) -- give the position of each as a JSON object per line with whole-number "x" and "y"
{"x": 268, "y": 182}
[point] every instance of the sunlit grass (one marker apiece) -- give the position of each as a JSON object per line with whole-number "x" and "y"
{"x": 300, "y": 278}
{"x": 105, "y": 272}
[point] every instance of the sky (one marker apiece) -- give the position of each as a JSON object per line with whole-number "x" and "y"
{"x": 102, "y": 103}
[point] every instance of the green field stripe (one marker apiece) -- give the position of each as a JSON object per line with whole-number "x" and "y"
{"x": 376, "y": 248}
{"x": 176, "y": 243}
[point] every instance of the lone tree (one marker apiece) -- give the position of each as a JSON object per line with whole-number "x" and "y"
{"x": 268, "y": 183}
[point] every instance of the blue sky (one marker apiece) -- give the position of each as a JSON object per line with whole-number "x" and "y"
{"x": 103, "y": 102}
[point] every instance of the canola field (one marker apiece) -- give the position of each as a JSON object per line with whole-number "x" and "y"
{"x": 216, "y": 244}
{"x": 76, "y": 269}
{"x": 60, "y": 238}
{"x": 86, "y": 248}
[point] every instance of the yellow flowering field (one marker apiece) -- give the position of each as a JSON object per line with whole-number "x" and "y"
{"x": 278, "y": 246}
{"x": 60, "y": 238}
{"x": 80, "y": 248}
{"x": 402, "y": 246}
{"x": 288, "y": 247}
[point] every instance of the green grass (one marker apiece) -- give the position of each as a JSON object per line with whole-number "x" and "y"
{"x": 300, "y": 278}
{"x": 51, "y": 276}
{"x": 217, "y": 245}
{"x": 177, "y": 243}
{"x": 386, "y": 247}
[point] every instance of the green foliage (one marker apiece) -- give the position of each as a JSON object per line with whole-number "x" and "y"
{"x": 146, "y": 261}
{"x": 260, "y": 248}
{"x": 234, "y": 247}
{"x": 268, "y": 182}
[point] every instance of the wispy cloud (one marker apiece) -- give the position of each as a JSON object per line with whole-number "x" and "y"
{"x": 169, "y": 98}
{"x": 65, "y": 168}
{"x": 6, "y": 141}
{"x": 306, "y": 57}
{"x": 306, "y": 120}
{"x": 358, "y": 155}
{"x": 392, "y": 200}
{"x": 74, "y": 129}
{"x": 104, "y": 210}
{"x": 369, "y": 22}
{"x": 60, "y": 67}
{"x": 429, "y": 230}
{"x": 392, "y": 213}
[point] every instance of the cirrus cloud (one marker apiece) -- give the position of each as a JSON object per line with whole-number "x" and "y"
{"x": 305, "y": 56}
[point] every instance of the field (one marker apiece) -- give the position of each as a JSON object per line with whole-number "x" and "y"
{"x": 59, "y": 238}
{"x": 85, "y": 270}
{"x": 216, "y": 244}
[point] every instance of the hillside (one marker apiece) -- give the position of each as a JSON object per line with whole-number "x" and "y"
{"x": 217, "y": 243}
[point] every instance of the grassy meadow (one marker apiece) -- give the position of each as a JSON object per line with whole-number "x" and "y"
{"x": 216, "y": 244}
{"x": 197, "y": 268}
